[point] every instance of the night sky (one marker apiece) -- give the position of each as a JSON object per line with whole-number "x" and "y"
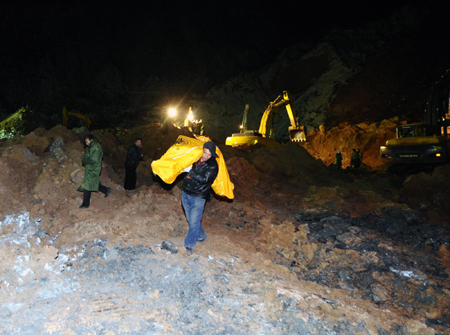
{"x": 87, "y": 55}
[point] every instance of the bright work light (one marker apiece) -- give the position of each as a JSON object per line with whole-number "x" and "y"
{"x": 172, "y": 112}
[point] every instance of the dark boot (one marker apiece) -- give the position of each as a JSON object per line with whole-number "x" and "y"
{"x": 105, "y": 190}
{"x": 86, "y": 199}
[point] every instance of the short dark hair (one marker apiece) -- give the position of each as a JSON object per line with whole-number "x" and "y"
{"x": 89, "y": 137}
{"x": 138, "y": 139}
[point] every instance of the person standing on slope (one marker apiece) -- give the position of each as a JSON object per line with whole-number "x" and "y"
{"x": 196, "y": 189}
{"x": 92, "y": 161}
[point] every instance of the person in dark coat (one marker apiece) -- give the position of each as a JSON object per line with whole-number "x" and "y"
{"x": 359, "y": 158}
{"x": 92, "y": 161}
{"x": 134, "y": 156}
{"x": 338, "y": 160}
{"x": 196, "y": 189}
{"x": 354, "y": 158}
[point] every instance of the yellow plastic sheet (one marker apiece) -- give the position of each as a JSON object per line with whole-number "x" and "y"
{"x": 185, "y": 152}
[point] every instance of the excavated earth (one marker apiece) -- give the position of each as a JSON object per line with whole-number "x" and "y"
{"x": 302, "y": 249}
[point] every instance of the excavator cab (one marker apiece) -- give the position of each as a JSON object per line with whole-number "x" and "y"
{"x": 410, "y": 130}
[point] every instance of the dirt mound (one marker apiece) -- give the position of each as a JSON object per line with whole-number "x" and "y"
{"x": 428, "y": 193}
{"x": 301, "y": 249}
{"x": 368, "y": 137}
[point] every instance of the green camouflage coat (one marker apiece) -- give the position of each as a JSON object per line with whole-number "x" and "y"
{"x": 92, "y": 161}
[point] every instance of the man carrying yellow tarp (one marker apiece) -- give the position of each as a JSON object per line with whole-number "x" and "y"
{"x": 206, "y": 167}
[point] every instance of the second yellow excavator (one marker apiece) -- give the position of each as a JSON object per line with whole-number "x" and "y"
{"x": 427, "y": 142}
{"x": 86, "y": 119}
{"x": 264, "y": 136}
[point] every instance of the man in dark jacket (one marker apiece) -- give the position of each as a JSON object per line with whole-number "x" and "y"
{"x": 338, "y": 160}
{"x": 92, "y": 161}
{"x": 134, "y": 156}
{"x": 359, "y": 158}
{"x": 196, "y": 189}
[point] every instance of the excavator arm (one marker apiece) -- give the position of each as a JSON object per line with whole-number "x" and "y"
{"x": 86, "y": 119}
{"x": 244, "y": 119}
{"x": 437, "y": 110}
{"x": 296, "y": 132}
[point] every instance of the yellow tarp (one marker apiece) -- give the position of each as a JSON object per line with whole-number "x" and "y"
{"x": 185, "y": 152}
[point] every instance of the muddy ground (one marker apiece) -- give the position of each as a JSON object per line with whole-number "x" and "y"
{"x": 302, "y": 249}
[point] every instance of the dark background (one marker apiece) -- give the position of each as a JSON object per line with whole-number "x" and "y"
{"x": 114, "y": 62}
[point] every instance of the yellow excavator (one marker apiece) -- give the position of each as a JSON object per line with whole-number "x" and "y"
{"x": 86, "y": 119}
{"x": 264, "y": 136}
{"x": 427, "y": 142}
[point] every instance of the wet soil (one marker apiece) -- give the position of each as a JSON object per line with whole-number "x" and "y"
{"x": 303, "y": 250}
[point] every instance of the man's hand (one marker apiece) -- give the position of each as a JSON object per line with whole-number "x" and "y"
{"x": 187, "y": 169}
{"x": 188, "y": 177}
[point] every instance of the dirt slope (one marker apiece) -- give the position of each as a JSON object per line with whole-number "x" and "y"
{"x": 302, "y": 249}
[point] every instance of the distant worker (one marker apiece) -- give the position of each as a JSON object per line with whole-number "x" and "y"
{"x": 196, "y": 128}
{"x": 196, "y": 189}
{"x": 134, "y": 156}
{"x": 359, "y": 158}
{"x": 338, "y": 160}
{"x": 354, "y": 158}
{"x": 199, "y": 128}
{"x": 92, "y": 161}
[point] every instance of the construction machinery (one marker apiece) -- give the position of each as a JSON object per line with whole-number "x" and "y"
{"x": 264, "y": 136}
{"x": 244, "y": 119}
{"x": 66, "y": 114}
{"x": 428, "y": 142}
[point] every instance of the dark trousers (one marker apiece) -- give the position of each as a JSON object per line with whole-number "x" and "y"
{"x": 193, "y": 207}
{"x": 87, "y": 194}
{"x": 130, "y": 178}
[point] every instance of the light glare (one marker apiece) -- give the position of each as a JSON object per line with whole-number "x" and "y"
{"x": 172, "y": 112}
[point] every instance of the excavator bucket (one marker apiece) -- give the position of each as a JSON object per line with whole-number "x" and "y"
{"x": 297, "y": 134}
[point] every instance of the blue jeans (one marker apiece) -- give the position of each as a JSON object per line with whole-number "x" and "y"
{"x": 193, "y": 207}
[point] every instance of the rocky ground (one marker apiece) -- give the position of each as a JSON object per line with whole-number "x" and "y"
{"x": 302, "y": 249}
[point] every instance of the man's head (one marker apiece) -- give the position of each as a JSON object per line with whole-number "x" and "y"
{"x": 88, "y": 139}
{"x": 209, "y": 150}
{"x": 138, "y": 142}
